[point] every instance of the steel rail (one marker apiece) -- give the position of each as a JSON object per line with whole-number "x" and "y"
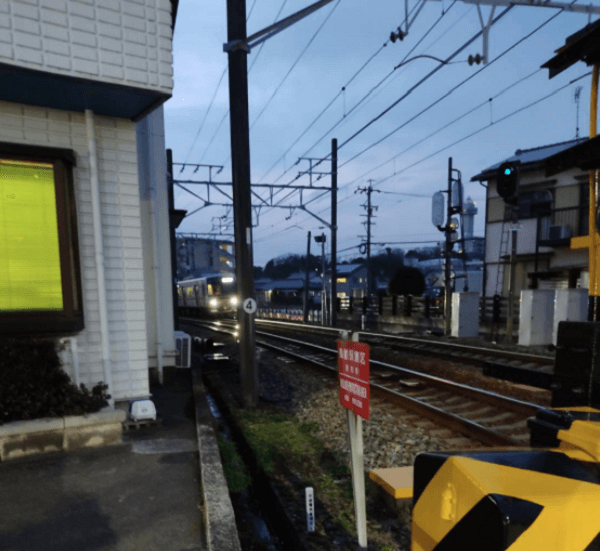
{"x": 438, "y": 415}
{"x": 520, "y": 356}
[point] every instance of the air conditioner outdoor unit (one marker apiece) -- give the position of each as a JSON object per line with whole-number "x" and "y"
{"x": 183, "y": 344}
{"x": 559, "y": 232}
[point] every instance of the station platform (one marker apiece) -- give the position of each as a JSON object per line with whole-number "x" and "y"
{"x": 160, "y": 489}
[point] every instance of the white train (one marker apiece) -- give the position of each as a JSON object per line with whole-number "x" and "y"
{"x": 207, "y": 295}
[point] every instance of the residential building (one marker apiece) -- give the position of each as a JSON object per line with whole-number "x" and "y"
{"x": 550, "y": 211}
{"x": 86, "y": 252}
{"x": 197, "y": 256}
{"x": 351, "y": 280}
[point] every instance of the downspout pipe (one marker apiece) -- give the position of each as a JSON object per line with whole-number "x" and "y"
{"x": 156, "y": 270}
{"x": 99, "y": 252}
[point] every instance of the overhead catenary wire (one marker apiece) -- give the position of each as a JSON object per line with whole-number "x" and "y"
{"x": 519, "y": 110}
{"x": 520, "y": 41}
{"x": 331, "y": 102}
{"x": 214, "y": 96}
{"x": 364, "y": 97}
{"x": 255, "y": 58}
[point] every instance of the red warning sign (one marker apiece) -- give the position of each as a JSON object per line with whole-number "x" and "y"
{"x": 353, "y": 362}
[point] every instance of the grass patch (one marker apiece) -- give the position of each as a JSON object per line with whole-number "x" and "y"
{"x": 233, "y": 466}
{"x": 274, "y": 435}
{"x": 280, "y": 440}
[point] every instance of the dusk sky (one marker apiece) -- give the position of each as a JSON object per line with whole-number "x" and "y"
{"x": 320, "y": 55}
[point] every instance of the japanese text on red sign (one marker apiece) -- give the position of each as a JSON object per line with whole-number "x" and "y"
{"x": 353, "y": 361}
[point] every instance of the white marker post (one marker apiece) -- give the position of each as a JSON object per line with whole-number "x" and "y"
{"x": 354, "y": 388}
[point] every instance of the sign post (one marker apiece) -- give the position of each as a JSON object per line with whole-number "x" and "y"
{"x": 353, "y": 364}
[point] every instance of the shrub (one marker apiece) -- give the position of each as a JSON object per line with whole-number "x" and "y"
{"x": 33, "y": 384}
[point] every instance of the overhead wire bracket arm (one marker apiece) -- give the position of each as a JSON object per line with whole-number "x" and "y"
{"x": 272, "y": 30}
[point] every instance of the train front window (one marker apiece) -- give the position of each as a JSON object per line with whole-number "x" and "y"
{"x": 224, "y": 286}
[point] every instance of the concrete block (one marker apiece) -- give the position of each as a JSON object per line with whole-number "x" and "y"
{"x": 32, "y": 426}
{"x": 93, "y": 436}
{"x": 24, "y": 444}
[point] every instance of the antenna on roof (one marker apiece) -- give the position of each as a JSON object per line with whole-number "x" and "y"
{"x": 576, "y": 98}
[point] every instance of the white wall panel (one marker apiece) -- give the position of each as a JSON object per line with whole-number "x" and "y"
{"x": 109, "y": 41}
{"x": 122, "y": 224}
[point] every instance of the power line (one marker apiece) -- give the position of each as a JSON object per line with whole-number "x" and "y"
{"x": 296, "y": 62}
{"x": 324, "y": 110}
{"x": 521, "y": 40}
{"x": 250, "y": 69}
{"x": 214, "y": 96}
{"x": 491, "y": 124}
{"x": 467, "y": 113}
{"x": 368, "y": 93}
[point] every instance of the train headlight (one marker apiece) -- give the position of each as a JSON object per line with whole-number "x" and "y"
{"x": 213, "y": 303}
{"x": 234, "y": 301}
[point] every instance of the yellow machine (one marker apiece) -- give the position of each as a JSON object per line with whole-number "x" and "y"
{"x": 546, "y": 497}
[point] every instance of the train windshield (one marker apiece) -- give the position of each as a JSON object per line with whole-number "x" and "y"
{"x": 218, "y": 286}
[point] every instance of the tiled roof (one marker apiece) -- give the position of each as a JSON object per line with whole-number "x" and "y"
{"x": 531, "y": 159}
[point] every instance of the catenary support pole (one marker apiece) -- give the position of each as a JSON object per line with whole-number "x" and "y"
{"x": 333, "y": 297}
{"x": 242, "y": 206}
{"x": 306, "y": 280}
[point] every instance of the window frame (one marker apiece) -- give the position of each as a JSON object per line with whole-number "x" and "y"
{"x": 71, "y": 318}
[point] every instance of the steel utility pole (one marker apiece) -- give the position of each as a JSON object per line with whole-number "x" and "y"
{"x": 333, "y": 317}
{"x": 306, "y": 280}
{"x": 242, "y": 210}
{"x": 237, "y": 48}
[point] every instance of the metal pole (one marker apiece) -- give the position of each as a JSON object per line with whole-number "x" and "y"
{"x": 369, "y": 212}
{"x": 323, "y": 295}
{"x": 172, "y": 237}
{"x": 594, "y": 291}
{"x": 242, "y": 206}
{"x": 448, "y": 290}
{"x": 511, "y": 281}
{"x": 306, "y": 280}
{"x": 333, "y": 231}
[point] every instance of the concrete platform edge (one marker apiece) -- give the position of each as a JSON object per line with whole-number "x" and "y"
{"x": 220, "y": 526}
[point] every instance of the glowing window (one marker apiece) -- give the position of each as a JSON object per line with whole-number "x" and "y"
{"x": 40, "y": 282}
{"x": 30, "y": 276}
{"x": 341, "y": 280}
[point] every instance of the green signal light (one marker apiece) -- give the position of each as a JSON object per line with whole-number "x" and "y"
{"x": 507, "y": 171}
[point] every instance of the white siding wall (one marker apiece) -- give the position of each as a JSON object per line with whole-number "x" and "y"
{"x": 121, "y": 230}
{"x": 125, "y": 42}
{"x": 152, "y": 163}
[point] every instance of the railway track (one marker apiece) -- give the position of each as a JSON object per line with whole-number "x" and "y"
{"x": 482, "y": 415}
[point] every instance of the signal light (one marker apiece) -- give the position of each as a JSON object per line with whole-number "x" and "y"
{"x": 475, "y": 59}
{"x": 507, "y": 182}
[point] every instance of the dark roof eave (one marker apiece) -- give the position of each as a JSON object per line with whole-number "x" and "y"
{"x": 585, "y": 156}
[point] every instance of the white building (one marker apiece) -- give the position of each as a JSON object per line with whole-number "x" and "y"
{"x": 83, "y": 170}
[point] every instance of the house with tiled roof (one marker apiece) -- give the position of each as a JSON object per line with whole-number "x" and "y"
{"x": 550, "y": 211}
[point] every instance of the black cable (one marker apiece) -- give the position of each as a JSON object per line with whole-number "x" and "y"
{"x": 364, "y": 97}
{"x": 250, "y": 69}
{"x": 323, "y": 111}
{"x": 467, "y": 113}
{"x": 489, "y": 125}
{"x": 214, "y": 96}
{"x": 296, "y": 62}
